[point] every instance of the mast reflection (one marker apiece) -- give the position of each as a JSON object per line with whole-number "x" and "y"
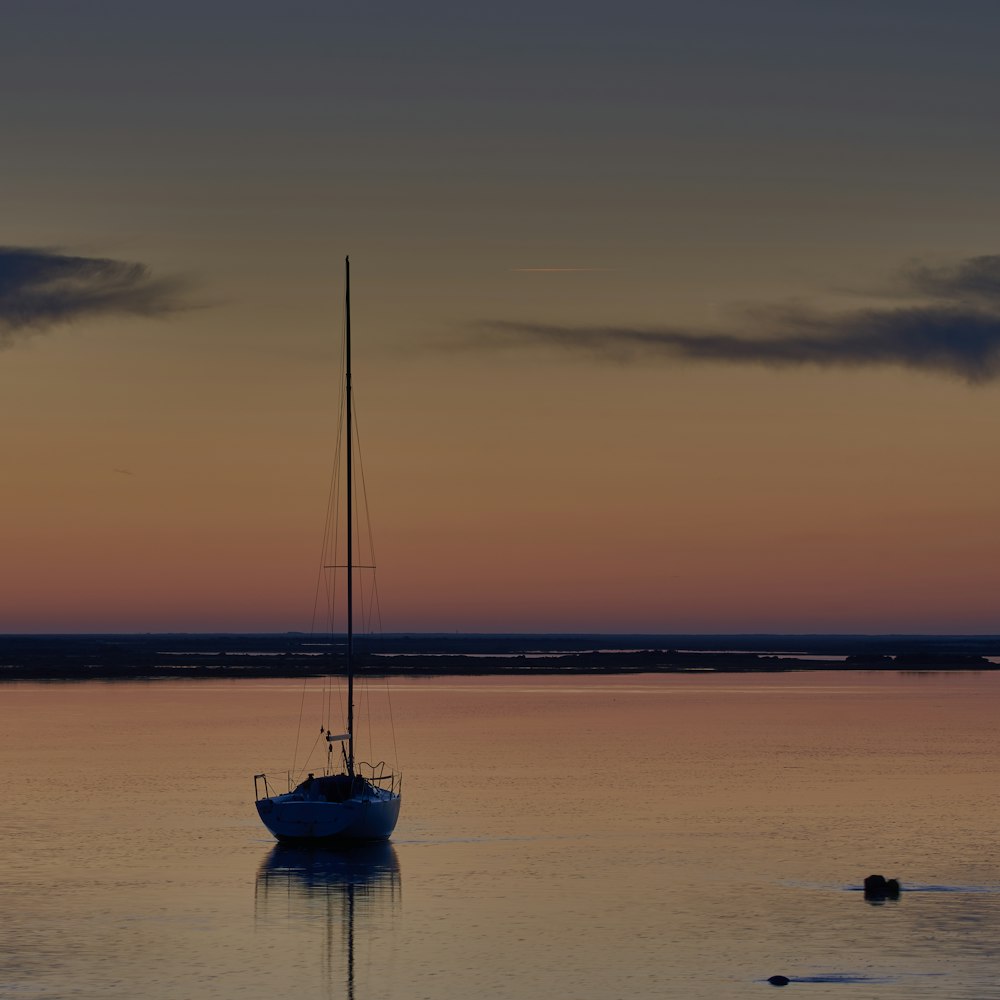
{"x": 340, "y": 887}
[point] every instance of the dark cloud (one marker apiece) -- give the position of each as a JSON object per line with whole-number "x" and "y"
{"x": 976, "y": 278}
{"x": 42, "y": 288}
{"x": 956, "y": 333}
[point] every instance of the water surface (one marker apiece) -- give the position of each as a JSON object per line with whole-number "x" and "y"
{"x": 591, "y": 837}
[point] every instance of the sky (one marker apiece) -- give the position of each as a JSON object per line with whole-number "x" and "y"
{"x": 668, "y": 317}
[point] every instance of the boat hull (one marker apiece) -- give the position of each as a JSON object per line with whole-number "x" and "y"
{"x": 293, "y": 820}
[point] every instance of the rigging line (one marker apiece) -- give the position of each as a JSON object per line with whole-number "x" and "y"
{"x": 361, "y": 681}
{"x": 359, "y": 461}
{"x": 392, "y": 723}
{"x": 331, "y": 585}
{"x": 322, "y": 581}
{"x": 388, "y": 692}
{"x": 344, "y": 399}
{"x": 298, "y": 728}
{"x": 385, "y": 676}
{"x": 332, "y": 494}
{"x": 357, "y": 520}
{"x": 375, "y": 611}
{"x": 368, "y": 713}
{"x": 377, "y": 607}
{"x": 305, "y": 763}
{"x": 336, "y": 683}
{"x": 322, "y": 587}
{"x": 334, "y": 490}
{"x": 329, "y": 592}
{"x": 364, "y": 489}
{"x": 369, "y": 611}
{"x": 330, "y": 527}
{"x": 333, "y": 681}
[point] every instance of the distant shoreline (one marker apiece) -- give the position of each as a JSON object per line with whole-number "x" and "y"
{"x": 291, "y": 655}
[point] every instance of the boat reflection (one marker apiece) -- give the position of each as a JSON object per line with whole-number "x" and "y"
{"x": 348, "y": 892}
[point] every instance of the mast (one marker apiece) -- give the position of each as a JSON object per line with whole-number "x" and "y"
{"x": 350, "y": 520}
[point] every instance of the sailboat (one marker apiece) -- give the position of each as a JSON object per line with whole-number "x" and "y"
{"x": 351, "y": 801}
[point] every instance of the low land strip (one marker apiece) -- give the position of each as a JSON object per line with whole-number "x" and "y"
{"x": 146, "y": 656}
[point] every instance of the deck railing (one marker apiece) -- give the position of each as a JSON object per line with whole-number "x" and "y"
{"x": 378, "y": 775}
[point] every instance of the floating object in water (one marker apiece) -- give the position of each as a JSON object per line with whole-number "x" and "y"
{"x": 878, "y": 888}
{"x": 778, "y": 980}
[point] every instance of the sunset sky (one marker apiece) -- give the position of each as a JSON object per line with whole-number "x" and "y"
{"x": 668, "y": 316}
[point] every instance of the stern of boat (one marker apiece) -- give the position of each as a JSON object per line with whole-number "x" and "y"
{"x": 332, "y": 808}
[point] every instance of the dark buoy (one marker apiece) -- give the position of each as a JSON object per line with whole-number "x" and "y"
{"x": 879, "y": 888}
{"x": 875, "y": 885}
{"x": 778, "y": 980}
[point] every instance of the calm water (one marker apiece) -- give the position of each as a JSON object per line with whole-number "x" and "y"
{"x": 583, "y": 838}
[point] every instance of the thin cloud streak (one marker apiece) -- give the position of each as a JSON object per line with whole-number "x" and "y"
{"x": 41, "y": 288}
{"x": 956, "y": 334}
{"x": 975, "y": 278}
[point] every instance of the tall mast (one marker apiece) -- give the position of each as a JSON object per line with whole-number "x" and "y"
{"x": 350, "y": 520}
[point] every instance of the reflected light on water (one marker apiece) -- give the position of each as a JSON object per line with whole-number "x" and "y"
{"x": 342, "y": 892}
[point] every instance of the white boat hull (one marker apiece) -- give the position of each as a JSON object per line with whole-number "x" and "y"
{"x": 294, "y": 819}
